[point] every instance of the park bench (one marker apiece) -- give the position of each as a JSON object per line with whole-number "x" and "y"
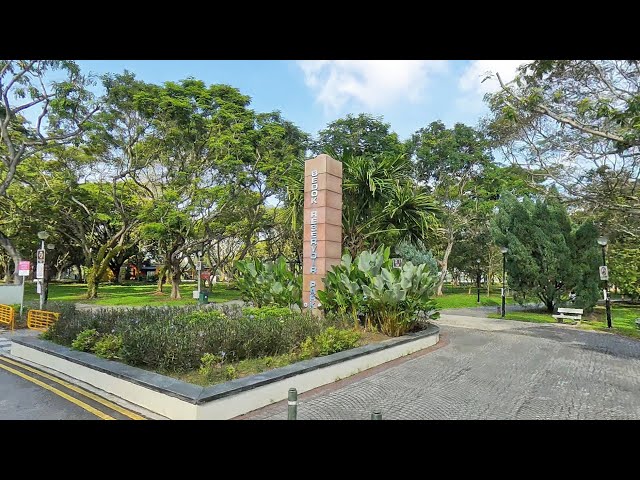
{"x": 570, "y": 313}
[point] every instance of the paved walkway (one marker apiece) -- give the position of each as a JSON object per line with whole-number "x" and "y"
{"x": 493, "y": 369}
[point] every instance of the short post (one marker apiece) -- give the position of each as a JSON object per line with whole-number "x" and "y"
{"x": 293, "y": 404}
{"x": 376, "y": 415}
{"x": 504, "y": 251}
{"x": 478, "y": 278}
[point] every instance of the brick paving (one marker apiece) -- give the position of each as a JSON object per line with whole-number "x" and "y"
{"x": 521, "y": 371}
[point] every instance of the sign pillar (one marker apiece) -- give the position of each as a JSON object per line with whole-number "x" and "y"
{"x": 322, "y": 247}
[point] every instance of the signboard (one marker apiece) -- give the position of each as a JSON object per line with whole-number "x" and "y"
{"x": 198, "y": 266}
{"x": 40, "y": 265}
{"x": 24, "y": 268}
{"x": 322, "y": 241}
{"x": 396, "y": 262}
{"x": 604, "y": 273}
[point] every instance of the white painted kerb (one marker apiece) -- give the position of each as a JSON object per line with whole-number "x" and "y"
{"x": 226, "y": 407}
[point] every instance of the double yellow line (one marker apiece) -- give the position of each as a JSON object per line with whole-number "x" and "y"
{"x": 74, "y": 388}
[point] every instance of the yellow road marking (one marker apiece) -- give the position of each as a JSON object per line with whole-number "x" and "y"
{"x": 76, "y": 389}
{"x": 81, "y": 404}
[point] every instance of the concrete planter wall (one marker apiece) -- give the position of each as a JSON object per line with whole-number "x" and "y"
{"x": 180, "y": 400}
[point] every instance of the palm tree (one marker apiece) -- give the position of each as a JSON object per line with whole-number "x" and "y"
{"x": 381, "y": 201}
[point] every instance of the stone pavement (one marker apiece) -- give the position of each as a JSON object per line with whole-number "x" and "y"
{"x": 7, "y": 335}
{"x": 492, "y": 369}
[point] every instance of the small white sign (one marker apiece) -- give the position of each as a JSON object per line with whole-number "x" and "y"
{"x": 396, "y": 262}
{"x": 604, "y": 273}
{"x": 198, "y": 266}
{"x": 38, "y": 287}
{"x": 40, "y": 270}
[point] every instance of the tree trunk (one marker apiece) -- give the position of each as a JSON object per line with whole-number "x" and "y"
{"x": 175, "y": 281}
{"x": 116, "y": 274}
{"x": 79, "y": 268}
{"x": 445, "y": 261}
{"x": 549, "y": 304}
{"x": 92, "y": 284}
{"x": 161, "y": 275}
{"x": 98, "y": 267}
{"x": 5, "y": 242}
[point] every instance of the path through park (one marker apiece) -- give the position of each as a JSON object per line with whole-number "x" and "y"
{"x": 492, "y": 369}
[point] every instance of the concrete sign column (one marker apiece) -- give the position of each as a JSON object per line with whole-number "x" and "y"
{"x": 322, "y": 246}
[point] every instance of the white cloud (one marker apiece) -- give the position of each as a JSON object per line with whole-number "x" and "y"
{"x": 371, "y": 83}
{"x": 471, "y": 83}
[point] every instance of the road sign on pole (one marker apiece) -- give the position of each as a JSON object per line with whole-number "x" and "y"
{"x": 40, "y": 265}
{"x": 24, "y": 268}
{"x": 604, "y": 273}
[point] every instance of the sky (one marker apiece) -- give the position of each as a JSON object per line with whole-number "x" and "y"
{"x": 408, "y": 94}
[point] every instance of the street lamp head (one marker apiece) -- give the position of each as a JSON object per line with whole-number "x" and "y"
{"x": 43, "y": 235}
{"x": 50, "y": 246}
{"x": 602, "y": 241}
{"x": 504, "y": 250}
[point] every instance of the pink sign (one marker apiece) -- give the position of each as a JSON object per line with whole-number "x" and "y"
{"x": 24, "y": 268}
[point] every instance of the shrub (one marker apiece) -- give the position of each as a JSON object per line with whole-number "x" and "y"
{"x": 396, "y": 300}
{"x": 108, "y": 346}
{"x": 86, "y": 340}
{"x": 269, "y": 283}
{"x": 331, "y": 340}
{"x": 180, "y": 342}
{"x": 230, "y": 372}
{"x": 175, "y": 339}
{"x": 209, "y": 362}
{"x": 417, "y": 254}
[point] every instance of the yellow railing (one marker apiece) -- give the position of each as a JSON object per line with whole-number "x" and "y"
{"x": 41, "y": 319}
{"x": 7, "y": 315}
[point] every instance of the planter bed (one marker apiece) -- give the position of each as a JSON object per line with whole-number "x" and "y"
{"x": 176, "y": 399}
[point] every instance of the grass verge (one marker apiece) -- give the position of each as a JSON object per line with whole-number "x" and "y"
{"x": 623, "y": 318}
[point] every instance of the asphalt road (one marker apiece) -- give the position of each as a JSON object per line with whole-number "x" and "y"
{"x": 21, "y": 399}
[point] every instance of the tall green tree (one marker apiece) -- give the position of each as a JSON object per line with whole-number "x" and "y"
{"x": 547, "y": 257}
{"x": 382, "y": 203}
{"x": 624, "y": 261}
{"x": 215, "y": 164}
{"x": 448, "y": 161}
{"x": 37, "y": 113}
{"x": 579, "y": 122}
{"x": 361, "y": 135}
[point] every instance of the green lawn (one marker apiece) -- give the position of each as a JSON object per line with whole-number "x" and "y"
{"x": 132, "y": 294}
{"x": 622, "y": 319}
{"x": 464, "y": 300}
{"x": 535, "y": 316}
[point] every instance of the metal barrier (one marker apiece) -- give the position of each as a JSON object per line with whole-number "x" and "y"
{"x": 41, "y": 319}
{"x": 292, "y": 407}
{"x": 7, "y": 315}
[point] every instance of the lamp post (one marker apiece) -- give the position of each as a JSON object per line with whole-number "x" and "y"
{"x": 199, "y": 271}
{"x": 47, "y": 274}
{"x": 478, "y": 278}
{"x": 602, "y": 241}
{"x": 504, "y": 251}
{"x": 42, "y": 235}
